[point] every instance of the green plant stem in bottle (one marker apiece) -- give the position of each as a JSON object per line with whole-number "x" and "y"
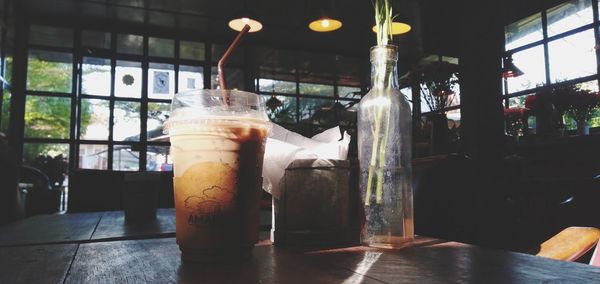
{"x": 384, "y": 145}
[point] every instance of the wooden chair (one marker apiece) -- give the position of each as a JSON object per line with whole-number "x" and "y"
{"x": 443, "y": 199}
{"x": 102, "y": 190}
{"x": 41, "y": 198}
{"x": 571, "y": 244}
{"x": 95, "y": 190}
{"x": 12, "y": 201}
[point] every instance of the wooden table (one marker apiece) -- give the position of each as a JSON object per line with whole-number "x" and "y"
{"x": 84, "y": 227}
{"x": 115, "y": 253}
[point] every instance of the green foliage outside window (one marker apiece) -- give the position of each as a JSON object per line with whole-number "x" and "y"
{"x": 49, "y": 76}
{"x": 5, "y": 111}
{"x": 6, "y": 96}
{"x": 48, "y": 117}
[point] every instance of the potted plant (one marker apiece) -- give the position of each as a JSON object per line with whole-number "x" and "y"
{"x": 515, "y": 120}
{"x": 581, "y": 106}
{"x": 550, "y": 105}
{"x": 437, "y": 81}
{"x": 548, "y": 120}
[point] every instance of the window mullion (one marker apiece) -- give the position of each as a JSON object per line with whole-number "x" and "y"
{"x": 111, "y": 116}
{"x": 596, "y": 37}
{"x": 75, "y": 127}
{"x": 545, "y": 43}
{"x": 144, "y": 108}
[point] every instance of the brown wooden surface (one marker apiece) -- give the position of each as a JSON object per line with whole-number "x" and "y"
{"x": 36, "y": 264}
{"x": 112, "y": 225}
{"x": 52, "y": 228}
{"x": 457, "y": 263}
{"x": 157, "y": 261}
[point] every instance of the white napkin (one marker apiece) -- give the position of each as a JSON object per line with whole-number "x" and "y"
{"x": 284, "y": 146}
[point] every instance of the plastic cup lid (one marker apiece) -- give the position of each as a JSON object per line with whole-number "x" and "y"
{"x": 189, "y": 109}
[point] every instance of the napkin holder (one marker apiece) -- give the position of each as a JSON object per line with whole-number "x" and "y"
{"x": 317, "y": 204}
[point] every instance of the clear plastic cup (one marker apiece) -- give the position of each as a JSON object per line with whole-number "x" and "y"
{"x": 217, "y": 153}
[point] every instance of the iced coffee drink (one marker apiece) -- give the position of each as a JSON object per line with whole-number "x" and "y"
{"x": 217, "y": 153}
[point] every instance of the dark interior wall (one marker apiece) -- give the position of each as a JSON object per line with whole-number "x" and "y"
{"x": 480, "y": 44}
{"x": 19, "y": 78}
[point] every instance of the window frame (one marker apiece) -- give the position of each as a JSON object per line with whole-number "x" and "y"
{"x": 594, "y": 26}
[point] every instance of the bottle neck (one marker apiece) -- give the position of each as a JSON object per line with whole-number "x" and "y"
{"x": 384, "y": 74}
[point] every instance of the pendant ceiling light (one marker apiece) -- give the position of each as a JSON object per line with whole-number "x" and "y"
{"x": 245, "y": 17}
{"x": 398, "y": 28}
{"x": 509, "y": 69}
{"x": 324, "y": 20}
{"x": 273, "y": 103}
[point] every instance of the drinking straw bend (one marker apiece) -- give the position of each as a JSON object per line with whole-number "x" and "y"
{"x": 224, "y": 58}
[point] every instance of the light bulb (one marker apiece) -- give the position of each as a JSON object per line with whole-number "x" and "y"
{"x": 325, "y": 23}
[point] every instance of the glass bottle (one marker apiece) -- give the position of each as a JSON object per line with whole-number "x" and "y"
{"x": 384, "y": 152}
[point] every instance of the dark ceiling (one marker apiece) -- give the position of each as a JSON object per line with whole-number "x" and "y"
{"x": 434, "y": 22}
{"x": 285, "y": 21}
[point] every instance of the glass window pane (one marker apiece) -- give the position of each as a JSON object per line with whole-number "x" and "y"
{"x": 453, "y": 115}
{"x": 595, "y": 121}
{"x": 454, "y": 99}
{"x": 316, "y": 89}
{"x": 424, "y": 106}
{"x": 191, "y": 50}
{"x": 518, "y": 102}
{"x": 572, "y": 57}
{"x": 277, "y": 86}
{"x": 93, "y": 156}
{"x": 531, "y": 62}
{"x": 308, "y": 106}
{"x": 95, "y": 76}
{"x": 349, "y": 92}
{"x": 36, "y": 155}
{"x": 131, "y": 14}
{"x": 190, "y": 77}
{"x": 349, "y": 105}
{"x": 50, "y": 36}
{"x": 570, "y": 123}
{"x": 157, "y": 115}
{"x": 4, "y": 118}
{"x": 523, "y": 32}
{"x": 131, "y": 44}
{"x": 8, "y": 69}
{"x": 95, "y": 39}
{"x": 161, "y": 47}
{"x": 49, "y": 71}
{"x": 407, "y": 92}
{"x": 158, "y": 158}
{"x": 286, "y": 113}
{"x": 163, "y": 19}
{"x": 589, "y": 85}
{"x": 95, "y": 115}
{"x": 161, "y": 81}
{"x": 47, "y": 117}
{"x": 128, "y": 79}
{"x": 568, "y": 16}
{"x": 127, "y": 121}
{"x": 430, "y": 102}
{"x": 219, "y": 49}
{"x": 125, "y": 159}
{"x": 234, "y": 77}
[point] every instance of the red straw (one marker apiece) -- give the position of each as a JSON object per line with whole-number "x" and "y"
{"x": 224, "y": 58}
